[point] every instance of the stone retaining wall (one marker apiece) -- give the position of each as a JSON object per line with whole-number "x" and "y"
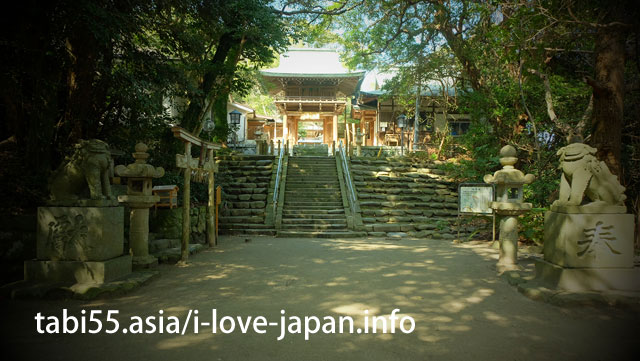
{"x": 387, "y": 151}
{"x": 167, "y": 223}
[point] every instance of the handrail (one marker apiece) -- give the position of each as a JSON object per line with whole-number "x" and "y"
{"x": 277, "y": 186}
{"x": 353, "y": 200}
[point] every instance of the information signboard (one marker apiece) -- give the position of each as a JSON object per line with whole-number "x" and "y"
{"x": 475, "y": 198}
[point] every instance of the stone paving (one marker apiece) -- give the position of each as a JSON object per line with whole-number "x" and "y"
{"x": 462, "y": 309}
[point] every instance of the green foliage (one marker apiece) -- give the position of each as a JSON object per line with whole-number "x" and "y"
{"x": 198, "y": 192}
{"x": 482, "y": 155}
{"x": 532, "y": 225}
{"x": 126, "y": 59}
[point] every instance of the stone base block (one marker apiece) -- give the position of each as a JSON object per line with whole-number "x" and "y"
{"x": 77, "y": 271}
{"x": 589, "y": 240}
{"x": 588, "y": 279}
{"x": 144, "y": 262}
{"x": 80, "y": 233}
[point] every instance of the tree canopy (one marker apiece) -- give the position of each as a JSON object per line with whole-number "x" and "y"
{"x": 531, "y": 72}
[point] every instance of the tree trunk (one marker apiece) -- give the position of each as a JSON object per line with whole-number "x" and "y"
{"x": 608, "y": 95}
{"x": 79, "y": 112}
{"x": 416, "y": 121}
{"x": 195, "y": 110}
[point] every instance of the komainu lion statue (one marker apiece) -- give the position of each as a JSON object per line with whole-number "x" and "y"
{"x": 584, "y": 175}
{"x": 83, "y": 175}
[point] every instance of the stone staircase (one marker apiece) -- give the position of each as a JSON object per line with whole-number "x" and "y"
{"x": 313, "y": 205}
{"x": 247, "y": 187}
{"x": 405, "y": 197}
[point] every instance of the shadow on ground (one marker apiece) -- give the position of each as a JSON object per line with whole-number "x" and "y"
{"x": 462, "y": 310}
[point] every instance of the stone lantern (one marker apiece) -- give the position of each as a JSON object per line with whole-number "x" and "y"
{"x": 359, "y": 137}
{"x": 509, "y": 205}
{"x": 402, "y": 123}
{"x": 261, "y": 141}
{"x": 140, "y": 198}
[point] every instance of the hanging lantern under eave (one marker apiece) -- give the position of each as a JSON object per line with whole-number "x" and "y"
{"x": 401, "y": 120}
{"x": 209, "y": 125}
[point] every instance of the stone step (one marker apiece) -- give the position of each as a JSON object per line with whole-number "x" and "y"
{"x": 320, "y": 234}
{"x": 400, "y": 182}
{"x": 319, "y": 212}
{"x": 394, "y": 169}
{"x": 313, "y": 185}
{"x": 247, "y": 185}
{"x": 250, "y": 179}
{"x": 396, "y": 161}
{"x": 320, "y": 188}
{"x": 312, "y": 157}
{"x": 248, "y": 204}
{"x": 420, "y": 219}
{"x": 241, "y": 219}
{"x": 247, "y": 197}
{"x": 311, "y": 201}
{"x": 312, "y": 193}
{"x": 408, "y": 205}
{"x": 229, "y": 190}
{"x": 308, "y": 202}
{"x": 392, "y": 197}
{"x": 314, "y": 226}
{"x": 299, "y": 215}
{"x": 242, "y": 212}
{"x": 394, "y": 189}
{"x": 426, "y": 217}
{"x": 312, "y": 180}
{"x": 313, "y": 176}
{"x": 241, "y": 225}
{"x": 312, "y": 165}
{"x": 256, "y": 158}
{"x": 235, "y": 174}
{"x": 313, "y": 221}
{"x": 245, "y": 163}
{"x": 249, "y": 231}
{"x": 311, "y": 207}
{"x": 305, "y": 168}
{"x": 248, "y": 167}
{"x": 303, "y": 174}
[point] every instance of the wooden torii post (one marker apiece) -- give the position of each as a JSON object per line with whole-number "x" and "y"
{"x": 203, "y": 169}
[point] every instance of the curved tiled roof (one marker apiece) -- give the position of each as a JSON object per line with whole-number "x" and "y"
{"x": 323, "y": 63}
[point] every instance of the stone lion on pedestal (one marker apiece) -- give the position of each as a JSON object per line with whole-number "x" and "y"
{"x": 84, "y": 175}
{"x": 587, "y": 181}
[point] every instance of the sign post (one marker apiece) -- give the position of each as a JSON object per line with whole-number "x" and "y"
{"x": 475, "y": 199}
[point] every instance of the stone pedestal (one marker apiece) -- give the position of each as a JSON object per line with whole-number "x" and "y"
{"x": 508, "y": 242}
{"x": 139, "y": 229}
{"x": 79, "y": 245}
{"x": 588, "y": 279}
{"x": 77, "y": 271}
{"x": 589, "y": 240}
{"x": 80, "y": 233}
{"x": 589, "y": 251}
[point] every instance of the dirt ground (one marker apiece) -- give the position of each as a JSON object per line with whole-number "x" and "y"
{"x": 462, "y": 310}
